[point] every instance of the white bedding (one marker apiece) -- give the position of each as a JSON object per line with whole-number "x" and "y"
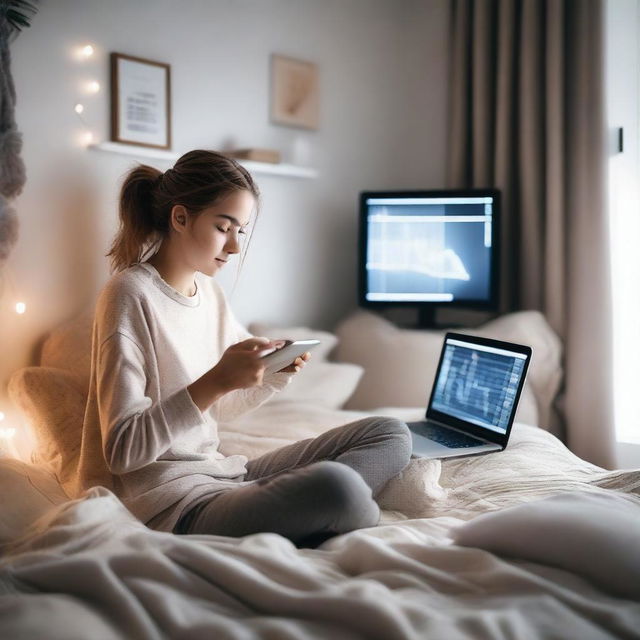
{"x": 88, "y": 569}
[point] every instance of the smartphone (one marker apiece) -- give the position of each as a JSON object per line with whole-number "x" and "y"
{"x": 285, "y": 355}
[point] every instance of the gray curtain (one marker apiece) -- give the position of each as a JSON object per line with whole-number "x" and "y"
{"x": 527, "y": 116}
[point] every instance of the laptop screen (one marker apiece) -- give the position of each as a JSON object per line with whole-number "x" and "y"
{"x": 478, "y": 384}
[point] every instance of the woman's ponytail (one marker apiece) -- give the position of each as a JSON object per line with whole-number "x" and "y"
{"x": 138, "y": 226}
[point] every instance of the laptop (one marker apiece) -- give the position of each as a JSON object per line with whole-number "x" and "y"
{"x": 474, "y": 398}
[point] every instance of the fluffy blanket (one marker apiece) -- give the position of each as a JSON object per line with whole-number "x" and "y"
{"x": 89, "y": 569}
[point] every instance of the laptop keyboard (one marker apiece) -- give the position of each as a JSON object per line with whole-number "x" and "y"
{"x": 446, "y": 437}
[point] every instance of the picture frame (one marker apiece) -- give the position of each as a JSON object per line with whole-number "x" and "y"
{"x": 295, "y": 93}
{"x": 140, "y": 101}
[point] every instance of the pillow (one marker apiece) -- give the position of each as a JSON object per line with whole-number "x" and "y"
{"x": 53, "y": 401}
{"x": 325, "y": 384}
{"x": 27, "y": 493}
{"x": 593, "y": 534}
{"x": 321, "y": 383}
{"x": 409, "y": 357}
{"x": 68, "y": 347}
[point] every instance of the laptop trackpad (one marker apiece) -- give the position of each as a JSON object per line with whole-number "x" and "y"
{"x": 427, "y": 448}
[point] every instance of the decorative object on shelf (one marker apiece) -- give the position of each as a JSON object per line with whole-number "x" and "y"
{"x": 140, "y": 101}
{"x": 257, "y": 155}
{"x": 14, "y": 15}
{"x": 294, "y": 92}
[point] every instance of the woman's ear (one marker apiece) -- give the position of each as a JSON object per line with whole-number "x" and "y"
{"x": 178, "y": 218}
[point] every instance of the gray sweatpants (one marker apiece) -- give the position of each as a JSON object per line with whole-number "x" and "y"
{"x": 311, "y": 489}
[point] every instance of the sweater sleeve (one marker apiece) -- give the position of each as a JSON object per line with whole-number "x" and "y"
{"x": 240, "y": 401}
{"x": 134, "y": 430}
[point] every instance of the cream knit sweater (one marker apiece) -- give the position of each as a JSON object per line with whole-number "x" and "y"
{"x": 143, "y": 436}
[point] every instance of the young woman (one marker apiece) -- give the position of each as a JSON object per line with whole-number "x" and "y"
{"x": 169, "y": 361}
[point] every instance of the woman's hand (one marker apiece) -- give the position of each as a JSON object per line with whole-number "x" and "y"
{"x": 297, "y": 364}
{"x": 241, "y": 366}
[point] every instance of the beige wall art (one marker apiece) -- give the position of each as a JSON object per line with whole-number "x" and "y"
{"x": 294, "y": 92}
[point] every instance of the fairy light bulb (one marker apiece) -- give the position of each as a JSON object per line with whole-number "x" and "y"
{"x": 93, "y": 86}
{"x": 87, "y": 51}
{"x": 79, "y": 108}
{"x": 21, "y": 307}
{"x": 7, "y": 432}
{"x": 87, "y": 137}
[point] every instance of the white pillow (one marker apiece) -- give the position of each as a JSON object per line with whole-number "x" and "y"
{"x": 27, "y": 493}
{"x": 321, "y": 383}
{"x": 409, "y": 358}
{"x": 593, "y": 534}
{"x": 324, "y": 384}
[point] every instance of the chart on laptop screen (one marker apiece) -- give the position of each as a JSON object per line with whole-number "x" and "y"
{"x": 478, "y": 384}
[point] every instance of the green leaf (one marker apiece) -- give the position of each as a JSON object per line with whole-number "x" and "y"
{"x": 14, "y": 12}
{"x": 17, "y": 17}
{"x": 29, "y": 6}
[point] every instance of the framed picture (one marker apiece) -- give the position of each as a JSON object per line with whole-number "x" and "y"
{"x": 294, "y": 92}
{"x": 140, "y": 101}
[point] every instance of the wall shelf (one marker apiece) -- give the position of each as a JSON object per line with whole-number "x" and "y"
{"x": 170, "y": 157}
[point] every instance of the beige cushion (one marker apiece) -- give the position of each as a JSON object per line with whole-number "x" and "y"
{"x": 400, "y": 364}
{"x": 325, "y": 384}
{"x": 53, "y": 402}
{"x": 68, "y": 347}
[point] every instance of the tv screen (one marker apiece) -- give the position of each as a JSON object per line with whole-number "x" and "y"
{"x": 429, "y": 248}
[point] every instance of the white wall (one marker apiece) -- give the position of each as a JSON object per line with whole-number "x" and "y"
{"x": 383, "y": 67}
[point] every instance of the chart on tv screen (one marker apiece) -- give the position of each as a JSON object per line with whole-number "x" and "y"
{"x": 429, "y": 252}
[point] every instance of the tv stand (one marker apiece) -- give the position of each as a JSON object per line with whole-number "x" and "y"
{"x": 432, "y": 317}
{"x": 426, "y": 318}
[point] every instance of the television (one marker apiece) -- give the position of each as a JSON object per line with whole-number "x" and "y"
{"x": 429, "y": 250}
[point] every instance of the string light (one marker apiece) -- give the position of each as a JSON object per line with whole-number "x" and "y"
{"x": 92, "y": 86}
{"x": 6, "y": 435}
{"x": 9, "y": 289}
{"x": 83, "y": 52}
{"x": 86, "y": 137}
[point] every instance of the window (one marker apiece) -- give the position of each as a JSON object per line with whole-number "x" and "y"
{"x": 623, "y": 107}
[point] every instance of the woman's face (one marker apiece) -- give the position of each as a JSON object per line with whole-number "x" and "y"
{"x": 212, "y": 237}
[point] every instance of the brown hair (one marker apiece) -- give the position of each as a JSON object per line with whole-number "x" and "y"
{"x": 197, "y": 181}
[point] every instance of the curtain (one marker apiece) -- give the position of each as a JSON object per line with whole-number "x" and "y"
{"x": 527, "y": 116}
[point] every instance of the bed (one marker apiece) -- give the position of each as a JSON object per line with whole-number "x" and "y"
{"x": 532, "y": 542}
